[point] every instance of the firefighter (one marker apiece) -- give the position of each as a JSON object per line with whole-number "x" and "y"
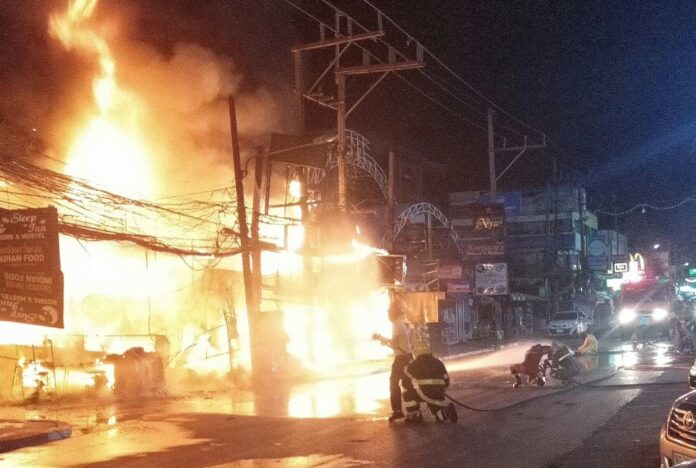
{"x": 562, "y": 363}
{"x": 426, "y": 382}
{"x": 530, "y": 366}
{"x": 590, "y": 345}
{"x": 401, "y": 345}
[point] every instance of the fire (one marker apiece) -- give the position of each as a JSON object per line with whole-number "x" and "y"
{"x": 328, "y": 317}
{"x": 108, "y": 152}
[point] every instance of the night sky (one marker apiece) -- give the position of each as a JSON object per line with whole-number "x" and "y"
{"x": 611, "y": 83}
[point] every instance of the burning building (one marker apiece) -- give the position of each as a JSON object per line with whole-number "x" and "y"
{"x": 149, "y": 239}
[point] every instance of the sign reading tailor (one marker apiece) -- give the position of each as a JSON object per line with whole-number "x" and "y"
{"x": 31, "y": 283}
{"x": 459, "y": 287}
{"x": 491, "y": 279}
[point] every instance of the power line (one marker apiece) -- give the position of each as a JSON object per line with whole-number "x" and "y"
{"x": 452, "y": 72}
{"x": 644, "y": 206}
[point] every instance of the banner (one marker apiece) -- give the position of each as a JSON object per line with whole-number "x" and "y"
{"x": 597, "y": 252}
{"x": 491, "y": 279}
{"x": 419, "y": 307}
{"x": 31, "y": 283}
{"x": 450, "y": 272}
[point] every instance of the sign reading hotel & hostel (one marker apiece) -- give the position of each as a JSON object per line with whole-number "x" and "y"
{"x": 31, "y": 283}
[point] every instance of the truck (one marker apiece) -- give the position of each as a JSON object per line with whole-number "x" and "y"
{"x": 645, "y": 308}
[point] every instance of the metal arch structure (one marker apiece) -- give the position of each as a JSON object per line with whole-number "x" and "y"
{"x": 427, "y": 209}
{"x": 357, "y": 155}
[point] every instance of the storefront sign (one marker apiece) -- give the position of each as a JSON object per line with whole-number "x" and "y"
{"x": 34, "y": 298}
{"x": 31, "y": 283}
{"x": 29, "y": 239}
{"x": 449, "y": 272}
{"x": 458, "y": 287}
{"x": 491, "y": 279}
{"x": 484, "y": 248}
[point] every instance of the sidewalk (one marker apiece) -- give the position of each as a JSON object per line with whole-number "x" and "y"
{"x": 17, "y": 433}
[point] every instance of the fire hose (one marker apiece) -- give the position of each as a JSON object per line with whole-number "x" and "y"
{"x": 590, "y": 384}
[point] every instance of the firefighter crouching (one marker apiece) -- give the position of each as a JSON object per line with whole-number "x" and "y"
{"x": 426, "y": 382}
{"x": 530, "y": 366}
{"x": 562, "y": 363}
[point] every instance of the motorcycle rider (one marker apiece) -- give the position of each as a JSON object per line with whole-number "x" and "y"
{"x": 530, "y": 366}
{"x": 426, "y": 382}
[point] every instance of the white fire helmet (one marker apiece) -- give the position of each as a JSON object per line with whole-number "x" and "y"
{"x": 420, "y": 348}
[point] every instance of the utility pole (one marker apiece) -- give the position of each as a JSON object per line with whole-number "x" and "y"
{"x": 343, "y": 39}
{"x": 250, "y": 299}
{"x": 299, "y": 92}
{"x": 491, "y": 155}
{"x": 391, "y": 201}
{"x": 492, "y": 151}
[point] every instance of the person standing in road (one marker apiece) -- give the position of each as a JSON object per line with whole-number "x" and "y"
{"x": 401, "y": 345}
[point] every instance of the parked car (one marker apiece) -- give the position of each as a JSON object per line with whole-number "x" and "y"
{"x": 588, "y": 318}
{"x": 568, "y": 323}
{"x": 678, "y": 435}
{"x": 692, "y": 376}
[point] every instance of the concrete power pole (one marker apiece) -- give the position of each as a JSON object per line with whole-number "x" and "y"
{"x": 492, "y": 151}
{"x": 491, "y": 155}
{"x": 343, "y": 39}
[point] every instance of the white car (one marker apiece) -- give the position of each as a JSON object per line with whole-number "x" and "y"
{"x": 568, "y": 323}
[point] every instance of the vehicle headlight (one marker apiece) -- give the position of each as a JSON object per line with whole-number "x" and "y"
{"x": 659, "y": 314}
{"x": 626, "y": 315}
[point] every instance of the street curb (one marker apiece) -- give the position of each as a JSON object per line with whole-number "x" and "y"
{"x": 27, "y": 436}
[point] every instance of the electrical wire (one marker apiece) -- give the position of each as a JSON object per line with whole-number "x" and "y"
{"x": 644, "y": 206}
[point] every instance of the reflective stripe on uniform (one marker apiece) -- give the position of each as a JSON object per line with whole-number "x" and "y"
{"x": 427, "y": 399}
{"x": 429, "y": 381}
{"x": 411, "y": 404}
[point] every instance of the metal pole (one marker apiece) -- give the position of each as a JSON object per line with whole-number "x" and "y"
{"x": 259, "y": 168}
{"x": 299, "y": 91}
{"x": 252, "y": 310}
{"x": 391, "y": 201}
{"x": 341, "y": 147}
{"x": 491, "y": 155}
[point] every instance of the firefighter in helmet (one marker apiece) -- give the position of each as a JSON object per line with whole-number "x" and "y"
{"x": 562, "y": 363}
{"x": 426, "y": 382}
{"x": 530, "y": 366}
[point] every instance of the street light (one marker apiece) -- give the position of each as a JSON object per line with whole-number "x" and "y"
{"x": 656, "y": 246}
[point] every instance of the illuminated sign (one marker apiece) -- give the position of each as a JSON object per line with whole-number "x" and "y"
{"x": 620, "y": 267}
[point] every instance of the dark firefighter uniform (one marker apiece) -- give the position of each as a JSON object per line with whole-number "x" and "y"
{"x": 426, "y": 382}
{"x": 530, "y": 365}
{"x": 563, "y": 364}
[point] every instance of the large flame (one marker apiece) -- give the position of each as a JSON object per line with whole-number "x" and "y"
{"x": 326, "y": 324}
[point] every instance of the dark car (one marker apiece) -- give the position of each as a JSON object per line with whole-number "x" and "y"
{"x": 678, "y": 435}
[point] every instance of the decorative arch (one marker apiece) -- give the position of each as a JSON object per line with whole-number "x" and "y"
{"x": 357, "y": 155}
{"x": 427, "y": 209}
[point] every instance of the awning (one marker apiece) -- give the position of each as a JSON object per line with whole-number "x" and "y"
{"x": 522, "y": 297}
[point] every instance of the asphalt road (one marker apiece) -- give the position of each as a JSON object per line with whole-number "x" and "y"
{"x": 342, "y": 422}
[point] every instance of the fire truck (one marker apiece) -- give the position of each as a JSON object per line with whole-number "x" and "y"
{"x": 645, "y": 307}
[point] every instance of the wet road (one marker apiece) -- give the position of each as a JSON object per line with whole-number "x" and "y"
{"x": 342, "y": 421}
